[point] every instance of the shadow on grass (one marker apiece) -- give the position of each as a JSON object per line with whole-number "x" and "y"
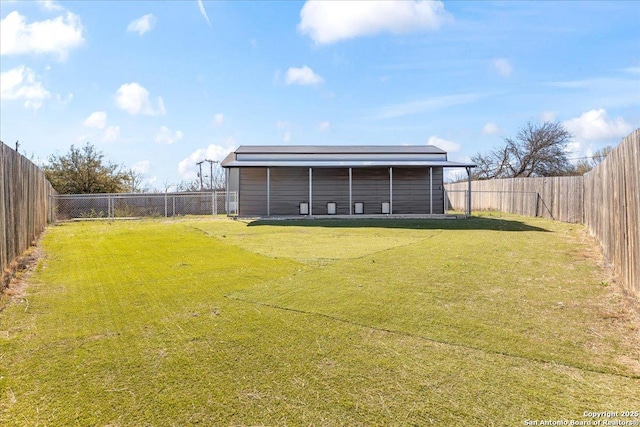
{"x": 473, "y": 223}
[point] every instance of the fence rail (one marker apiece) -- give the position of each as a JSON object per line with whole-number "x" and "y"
{"x": 118, "y": 205}
{"x": 606, "y": 200}
{"x": 24, "y": 205}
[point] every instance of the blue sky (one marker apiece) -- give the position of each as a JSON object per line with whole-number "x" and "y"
{"x": 158, "y": 86}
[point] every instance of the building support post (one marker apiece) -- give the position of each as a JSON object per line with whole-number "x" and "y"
{"x": 350, "y": 191}
{"x": 310, "y": 191}
{"x": 226, "y": 191}
{"x": 390, "y": 190}
{"x": 268, "y": 191}
{"x": 431, "y": 190}
{"x": 469, "y": 198}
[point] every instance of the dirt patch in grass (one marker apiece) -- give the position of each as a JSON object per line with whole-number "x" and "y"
{"x": 15, "y": 278}
{"x": 619, "y": 308}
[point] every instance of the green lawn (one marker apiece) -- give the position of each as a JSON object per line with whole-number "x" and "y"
{"x": 486, "y": 321}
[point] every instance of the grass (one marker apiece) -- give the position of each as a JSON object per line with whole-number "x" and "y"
{"x": 486, "y": 321}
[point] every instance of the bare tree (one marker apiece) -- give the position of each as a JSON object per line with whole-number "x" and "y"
{"x": 190, "y": 186}
{"x": 537, "y": 150}
{"x": 213, "y": 177}
{"x": 135, "y": 182}
{"x": 167, "y": 185}
{"x": 218, "y": 177}
{"x": 586, "y": 164}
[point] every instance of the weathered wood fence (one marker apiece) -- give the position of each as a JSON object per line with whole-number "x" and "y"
{"x": 606, "y": 200}
{"x": 25, "y": 195}
{"x": 558, "y": 198}
{"x": 612, "y": 208}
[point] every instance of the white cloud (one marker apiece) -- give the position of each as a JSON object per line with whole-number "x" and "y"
{"x": 428, "y": 104}
{"x": 142, "y": 24}
{"x": 203, "y": 11}
{"x": 166, "y": 136}
{"x": 51, "y": 5}
{"x": 66, "y": 100}
{"x": 53, "y": 36}
{"x": 448, "y": 146}
{"x": 573, "y": 150}
{"x": 595, "y": 125}
{"x": 134, "y": 99}
{"x": 491, "y": 128}
{"x": 324, "y": 126}
{"x": 96, "y": 120}
{"x": 20, "y": 84}
{"x": 111, "y": 134}
{"x": 281, "y": 124}
{"x": 331, "y": 21}
{"x": 611, "y": 92}
{"x": 503, "y": 66}
{"x": 218, "y": 119}
{"x": 286, "y": 137}
{"x": 187, "y": 167}
{"x": 142, "y": 166}
{"x": 302, "y": 76}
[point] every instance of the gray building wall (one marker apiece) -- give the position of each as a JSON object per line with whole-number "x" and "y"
{"x": 290, "y": 186}
{"x": 411, "y": 191}
{"x": 252, "y": 198}
{"x": 371, "y": 187}
{"x": 330, "y": 185}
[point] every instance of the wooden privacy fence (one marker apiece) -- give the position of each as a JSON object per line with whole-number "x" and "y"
{"x": 612, "y": 208}
{"x": 24, "y": 204}
{"x": 558, "y": 198}
{"x": 606, "y": 200}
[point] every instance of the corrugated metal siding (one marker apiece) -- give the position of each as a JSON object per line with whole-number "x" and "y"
{"x": 411, "y": 191}
{"x": 289, "y": 187}
{"x": 253, "y": 192}
{"x": 371, "y": 187}
{"x": 330, "y": 185}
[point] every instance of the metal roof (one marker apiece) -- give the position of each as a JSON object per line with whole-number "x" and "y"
{"x": 349, "y": 164}
{"x": 339, "y": 149}
{"x": 342, "y": 156}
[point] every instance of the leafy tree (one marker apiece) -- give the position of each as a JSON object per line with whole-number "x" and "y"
{"x": 84, "y": 171}
{"x": 537, "y": 150}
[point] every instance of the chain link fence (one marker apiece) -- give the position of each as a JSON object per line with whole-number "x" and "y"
{"x": 74, "y": 206}
{"x": 518, "y": 202}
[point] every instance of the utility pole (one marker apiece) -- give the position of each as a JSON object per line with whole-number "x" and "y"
{"x": 200, "y": 173}
{"x": 211, "y": 162}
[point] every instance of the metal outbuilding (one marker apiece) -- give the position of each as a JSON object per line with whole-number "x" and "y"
{"x": 287, "y": 180}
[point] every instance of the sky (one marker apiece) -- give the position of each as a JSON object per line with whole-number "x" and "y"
{"x": 157, "y": 86}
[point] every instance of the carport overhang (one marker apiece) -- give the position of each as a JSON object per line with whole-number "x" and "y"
{"x": 428, "y": 157}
